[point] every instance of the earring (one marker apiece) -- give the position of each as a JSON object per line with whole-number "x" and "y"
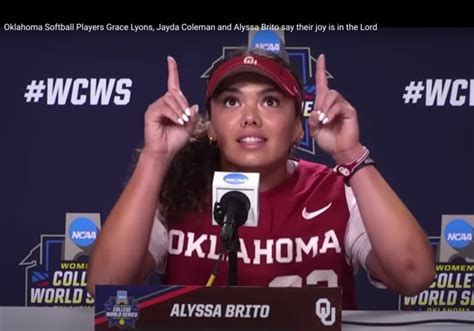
{"x": 212, "y": 141}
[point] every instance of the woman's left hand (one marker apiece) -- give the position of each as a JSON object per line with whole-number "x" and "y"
{"x": 333, "y": 121}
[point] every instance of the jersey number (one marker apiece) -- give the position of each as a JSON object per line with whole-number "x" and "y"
{"x": 314, "y": 278}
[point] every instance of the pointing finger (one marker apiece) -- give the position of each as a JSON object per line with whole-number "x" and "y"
{"x": 321, "y": 81}
{"x": 173, "y": 75}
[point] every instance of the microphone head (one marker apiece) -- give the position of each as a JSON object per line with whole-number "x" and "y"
{"x": 241, "y": 204}
{"x": 227, "y": 185}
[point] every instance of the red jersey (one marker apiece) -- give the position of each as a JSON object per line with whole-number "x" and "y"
{"x": 309, "y": 233}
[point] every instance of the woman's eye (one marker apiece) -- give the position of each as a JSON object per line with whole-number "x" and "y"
{"x": 231, "y": 102}
{"x": 271, "y": 102}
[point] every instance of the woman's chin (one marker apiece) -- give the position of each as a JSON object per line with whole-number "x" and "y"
{"x": 249, "y": 164}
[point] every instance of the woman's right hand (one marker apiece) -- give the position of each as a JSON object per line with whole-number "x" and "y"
{"x": 169, "y": 121}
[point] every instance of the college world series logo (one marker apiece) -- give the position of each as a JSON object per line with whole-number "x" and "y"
{"x": 121, "y": 310}
{"x": 452, "y": 287}
{"x": 301, "y": 59}
{"x": 56, "y": 268}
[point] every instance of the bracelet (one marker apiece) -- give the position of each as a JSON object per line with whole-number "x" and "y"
{"x": 349, "y": 169}
{"x": 368, "y": 161}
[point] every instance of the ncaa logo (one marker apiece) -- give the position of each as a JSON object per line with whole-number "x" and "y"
{"x": 236, "y": 178}
{"x": 268, "y": 40}
{"x": 458, "y": 233}
{"x": 83, "y": 232}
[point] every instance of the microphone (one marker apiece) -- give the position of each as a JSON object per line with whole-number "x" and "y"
{"x": 235, "y": 203}
{"x": 231, "y": 212}
{"x": 240, "y": 184}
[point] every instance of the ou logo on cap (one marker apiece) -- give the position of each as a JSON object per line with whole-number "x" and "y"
{"x": 250, "y": 60}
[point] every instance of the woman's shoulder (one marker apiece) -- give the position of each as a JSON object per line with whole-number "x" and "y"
{"x": 315, "y": 180}
{"x": 313, "y": 168}
{"x": 314, "y": 174}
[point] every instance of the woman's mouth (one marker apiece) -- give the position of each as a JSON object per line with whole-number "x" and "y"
{"x": 251, "y": 141}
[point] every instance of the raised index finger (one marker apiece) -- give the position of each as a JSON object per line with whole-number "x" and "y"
{"x": 173, "y": 75}
{"x": 321, "y": 80}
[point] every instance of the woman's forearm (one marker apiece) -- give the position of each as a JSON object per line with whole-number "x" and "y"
{"x": 399, "y": 243}
{"x": 122, "y": 245}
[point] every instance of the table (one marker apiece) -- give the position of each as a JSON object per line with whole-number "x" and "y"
{"x": 81, "y": 319}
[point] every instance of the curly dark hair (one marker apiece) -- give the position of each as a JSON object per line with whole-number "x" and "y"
{"x": 188, "y": 182}
{"x": 187, "y": 186}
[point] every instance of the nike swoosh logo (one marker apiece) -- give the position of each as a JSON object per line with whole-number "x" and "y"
{"x": 313, "y": 214}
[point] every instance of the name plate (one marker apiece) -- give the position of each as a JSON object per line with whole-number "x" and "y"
{"x": 159, "y": 307}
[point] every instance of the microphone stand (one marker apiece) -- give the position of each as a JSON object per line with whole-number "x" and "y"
{"x": 232, "y": 212}
{"x": 233, "y": 247}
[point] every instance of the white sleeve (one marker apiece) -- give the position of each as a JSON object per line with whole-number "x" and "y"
{"x": 158, "y": 245}
{"x": 356, "y": 240}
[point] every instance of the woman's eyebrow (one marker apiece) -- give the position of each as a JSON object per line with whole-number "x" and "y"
{"x": 237, "y": 90}
{"x": 270, "y": 89}
{"x": 230, "y": 89}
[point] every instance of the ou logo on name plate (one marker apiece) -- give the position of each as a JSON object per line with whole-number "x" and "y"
{"x": 325, "y": 312}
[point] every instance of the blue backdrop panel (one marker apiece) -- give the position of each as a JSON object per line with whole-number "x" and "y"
{"x": 74, "y": 158}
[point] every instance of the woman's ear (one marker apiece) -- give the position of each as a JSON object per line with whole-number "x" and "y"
{"x": 298, "y": 131}
{"x": 211, "y": 133}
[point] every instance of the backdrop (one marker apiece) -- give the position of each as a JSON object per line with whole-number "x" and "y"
{"x": 72, "y": 113}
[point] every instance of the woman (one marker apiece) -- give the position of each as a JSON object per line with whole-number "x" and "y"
{"x": 316, "y": 224}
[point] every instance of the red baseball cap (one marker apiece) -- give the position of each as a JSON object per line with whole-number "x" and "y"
{"x": 263, "y": 65}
